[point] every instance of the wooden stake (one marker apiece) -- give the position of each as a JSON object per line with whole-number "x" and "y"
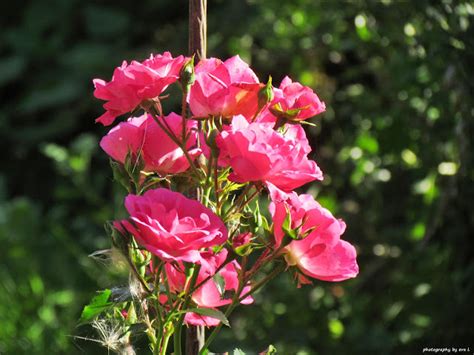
{"x": 197, "y": 28}
{"x": 197, "y": 45}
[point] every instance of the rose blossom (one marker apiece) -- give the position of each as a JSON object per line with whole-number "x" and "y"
{"x": 143, "y": 137}
{"x": 224, "y": 89}
{"x": 258, "y": 153}
{"x": 321, "y": 254}
{"x": 242, "y": 240}
{"x": 295, "y": 101}
{"x": 132, "y": 83}
{"x": 211, "y": 294}
{"x": 172, "y": 226}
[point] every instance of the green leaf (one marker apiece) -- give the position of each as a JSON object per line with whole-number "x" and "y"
{"x": 220, "y": 283}
{"x": 98, "y": 304}
{"x": 210, "y": 312}
{"x": 238, "y": 352}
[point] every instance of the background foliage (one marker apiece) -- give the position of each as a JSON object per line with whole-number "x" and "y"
{"x": 395, "y": 145}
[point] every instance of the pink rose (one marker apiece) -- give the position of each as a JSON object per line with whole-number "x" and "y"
{"x": 171, "y": 226}
{"x": 242, "y": 240}
{"x": 321, "y": 254}
{"x": 224, "y": 89}
{"x": 132, "y": 83}
{"x": 212, "y": 294}
{"x": 143, "y": 136}
{"x": 295, "y": 101}
{"x": 258, "y": 153}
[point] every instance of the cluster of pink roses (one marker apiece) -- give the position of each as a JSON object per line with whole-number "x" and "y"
{"x": 234, "y": 133}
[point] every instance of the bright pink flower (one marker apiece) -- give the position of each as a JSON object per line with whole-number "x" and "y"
{"x": 321, "y": 254}
{"x": 132, "y": 83}
{"x": 216, "y": 292}
{"x": 241, "y": 240}
{"x": 258, "y": 153}
{"x": 199, "y": 319}
{"x": 224, "y": 89}
{"x": 172, "y": 226}
{"x": 143, "y": 137}
{"x": 296, "y": 101}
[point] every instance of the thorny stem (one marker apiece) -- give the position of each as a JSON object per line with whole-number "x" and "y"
{"x": 231, "y": 307}
{"x": 237, "y": 299}
{"x": 189, "y": 284}
{"x": 164, "y": 345}
{"x": 262, "y": 282}
{"x": 183, "y": 115}
{"x": 194, "y": 288}
{"x": 180, "y": 144}
{"x": 216, "y": 186}
{"x": 238, "y": 202}
{"x": 138, "y": 276}
{"x": 249, "y": 199}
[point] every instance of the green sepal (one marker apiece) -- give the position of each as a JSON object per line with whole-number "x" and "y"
{"x": 246, "y": 249}
{"x": 286, "y": 226}
{"x": 134, "y": 164}
{"x": 120, "y": 174}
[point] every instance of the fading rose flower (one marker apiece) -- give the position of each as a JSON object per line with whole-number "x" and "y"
{"x": 321, "y": 254}
{"x": 295, "y": 102}
{"x": 143, "y": 136}
{"x": 258, "y": 153}
{"x": 198, "y": 319}
{"x": 241, "y": 240}
{"x": 213, "y": 293}
{"x": 135, "y": 82}
{"x": 224, "y": 89}
{"x": 172, "y": 226}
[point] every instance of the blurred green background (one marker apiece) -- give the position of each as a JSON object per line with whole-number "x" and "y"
{"x": 395, "y": 145}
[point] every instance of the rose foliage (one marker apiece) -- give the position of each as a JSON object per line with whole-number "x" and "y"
{"x": 194, "y": 237}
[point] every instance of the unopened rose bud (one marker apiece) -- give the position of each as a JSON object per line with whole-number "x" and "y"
{"x": 186, "y": 76}
{"x": 211, "y": 140}
{"x": 242, "y": 243}
{"x": 265, "y": 95}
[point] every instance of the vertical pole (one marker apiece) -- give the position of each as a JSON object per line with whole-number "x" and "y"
{"x": 197, "y": 45}
{"x": 197, "y": 28}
